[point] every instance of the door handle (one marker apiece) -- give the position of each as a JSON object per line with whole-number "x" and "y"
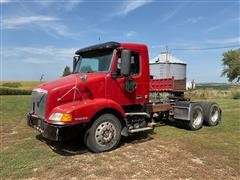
{"x": 139, "y": 97}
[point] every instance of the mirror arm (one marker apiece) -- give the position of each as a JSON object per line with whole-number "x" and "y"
{"x": 115, "y": 75}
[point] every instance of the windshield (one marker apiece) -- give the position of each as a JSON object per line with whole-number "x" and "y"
{"x": 95, "y": 61}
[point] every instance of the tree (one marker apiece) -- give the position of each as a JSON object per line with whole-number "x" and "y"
{"x": 231, "y": 63}
{"x": 86, "y": 69}
{"x": 66, "y": 71}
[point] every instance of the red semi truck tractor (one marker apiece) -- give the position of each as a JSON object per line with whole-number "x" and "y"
{"x": 108, "y": 96}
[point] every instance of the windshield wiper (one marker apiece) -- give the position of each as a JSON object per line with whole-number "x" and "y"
{"x": 91, "y": 71}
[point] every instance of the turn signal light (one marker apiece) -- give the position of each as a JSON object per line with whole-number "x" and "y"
{"x": 66, "y": 117}
{"x": 60, "y": 117}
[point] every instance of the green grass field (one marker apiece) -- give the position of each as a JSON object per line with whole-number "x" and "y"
{"x": 25, "y": 84}
{"x": 22, "y": 154}
{"x": 216, "y": 86}
{"x": 224, "y": 140}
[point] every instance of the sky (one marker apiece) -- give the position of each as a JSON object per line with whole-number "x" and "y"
{"x": 41, "y": 37}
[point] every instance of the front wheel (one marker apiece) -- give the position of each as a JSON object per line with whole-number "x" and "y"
{"x": 104, "y": 134}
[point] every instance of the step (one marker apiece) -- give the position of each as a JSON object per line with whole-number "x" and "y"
{"x": 152, "y": 124}
{"x": 139, "y": 129}
{"x": 137, "y": 113}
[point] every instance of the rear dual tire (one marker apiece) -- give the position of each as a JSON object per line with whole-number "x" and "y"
{"x": 212, "y": 113}
{"x": 196, "y": 117}
{"x": 208, "y": 113}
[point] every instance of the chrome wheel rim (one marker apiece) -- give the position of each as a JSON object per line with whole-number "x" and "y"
{"x": 214, "y": 114}
{"x": 105, "y": 134}
{"x": 197, "y": 118}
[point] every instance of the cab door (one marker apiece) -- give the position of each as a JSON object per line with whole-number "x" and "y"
{"x": 127, "y": 90}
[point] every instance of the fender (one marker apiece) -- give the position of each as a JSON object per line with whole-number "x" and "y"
{"x": 83, "y": 111}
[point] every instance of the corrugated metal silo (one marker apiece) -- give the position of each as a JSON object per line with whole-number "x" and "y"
{"x": 166, "y": 66}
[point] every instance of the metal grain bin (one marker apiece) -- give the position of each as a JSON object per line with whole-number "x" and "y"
{"x": 167, "y": 66}
{"x": 168, "y": 70}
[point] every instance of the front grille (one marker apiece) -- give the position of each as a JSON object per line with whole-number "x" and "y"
{"x": 38, "y": 103}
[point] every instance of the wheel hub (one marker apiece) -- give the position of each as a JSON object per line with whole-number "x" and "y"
{"x": 197, "y": 118}
{"x": 214, "y": 114}
{"x": 105, "y": 133}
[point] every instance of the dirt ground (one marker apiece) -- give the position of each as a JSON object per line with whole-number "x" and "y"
{"x": 138, "y": 157}
{"x": 169, "y": 153}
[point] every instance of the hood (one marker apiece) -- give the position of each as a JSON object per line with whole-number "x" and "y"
{"x": 63, "y": 81}
{"x": 69, "y": 81}
{"x": 61, "y": 88}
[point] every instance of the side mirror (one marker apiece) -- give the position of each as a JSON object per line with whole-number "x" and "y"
{"x": 125, "y": 62}
{"x": 75, "y": 61}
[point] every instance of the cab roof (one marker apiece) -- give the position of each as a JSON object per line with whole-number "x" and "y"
{"x": 107, "y": 45}
{"x": 110, "y": 45}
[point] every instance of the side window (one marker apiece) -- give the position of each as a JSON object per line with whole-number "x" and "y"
{"x": 135, "y": 64}
{"x": 119, "y": 65}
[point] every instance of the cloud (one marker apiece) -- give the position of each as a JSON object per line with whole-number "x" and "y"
{"x": 37, "y": 60}
{"x": 171, "y": 14}
{"x": 67, "y": 5}
{"x": 131, "y": 5}
{"x": 18, "y": 22}
{"x": 157, "y": 46}
{"x": 192, "y": 20}
{"x": 51, "y": 25}
{"x": 221, "y": 25}
{"x": 39, "y": 55}
{"x": 4, "y": 1}
{"x": 131, "y": 33}
{"x": 233, "y": 40}
{"x": 218, "y": 26}
{"x": 71, "y": 4}
{"x": 56, "y": 29}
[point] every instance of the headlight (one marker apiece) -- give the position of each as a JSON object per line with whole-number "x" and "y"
{"x": 61, "y": 117}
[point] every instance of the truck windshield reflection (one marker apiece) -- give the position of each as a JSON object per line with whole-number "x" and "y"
{"x": 96, "y": 61}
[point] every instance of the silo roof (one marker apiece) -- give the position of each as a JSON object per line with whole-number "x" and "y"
{"x": 161, "y": 58}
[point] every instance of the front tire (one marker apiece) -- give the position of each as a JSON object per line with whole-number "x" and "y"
{"x": 104, "y": 134}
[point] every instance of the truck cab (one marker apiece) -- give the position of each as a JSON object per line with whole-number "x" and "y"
{"x": 105, "y": 97}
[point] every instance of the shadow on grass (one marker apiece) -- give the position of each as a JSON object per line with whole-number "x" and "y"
{"x": 65, "y": 148}
{"x": 76, "y": 146}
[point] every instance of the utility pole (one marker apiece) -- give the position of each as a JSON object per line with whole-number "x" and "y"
{"x": 167, "y": 54}
{"x": 41, "y": 78}
{"x": 168, "y": 64}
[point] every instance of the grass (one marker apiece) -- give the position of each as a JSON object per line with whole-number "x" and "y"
{"x": 236, "y": 94}
{"x": 212, "y": 93}
{"x": 216, "y": 86}
{"x": 223, "y": 140}
{"x": 21, "y": 154}
{"x": 24, "y": 84}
